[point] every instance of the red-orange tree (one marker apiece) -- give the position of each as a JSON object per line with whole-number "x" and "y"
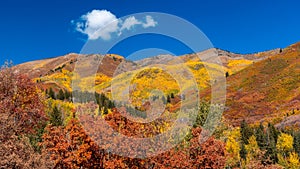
{"x": 71, "y": 147}
{"x": 21, "y": 112}
{"x": 210, "y": 154}
{"x": 21, "y": 105}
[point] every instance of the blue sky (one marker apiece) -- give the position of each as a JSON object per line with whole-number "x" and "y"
{"x": 32, "y": 30}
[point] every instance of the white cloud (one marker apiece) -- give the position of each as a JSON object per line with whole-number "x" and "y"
{"x": 102, "y": 24}
{"x": 98, "y": 23}
{"x": 129, "y": 23}
{"x": 150, "y": 22}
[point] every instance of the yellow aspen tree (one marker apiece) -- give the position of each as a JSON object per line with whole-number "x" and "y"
{"x": 284, "y": 146}
{"x": 284, "y": 142}
{"x": 293, "y": 161}
{"x": 252, "y": 148}
{"x": 233, "y": 148}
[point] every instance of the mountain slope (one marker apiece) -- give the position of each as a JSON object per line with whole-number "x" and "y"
{"x": 261, "y": 86}
{"x": 266, "y": 90}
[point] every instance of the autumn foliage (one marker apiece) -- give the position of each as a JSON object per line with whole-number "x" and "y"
{"x": 21, "y": 113}
{"x": 71, "y": 147}
{"x": 48, "y": 130}
{"x": 21, "y": 105}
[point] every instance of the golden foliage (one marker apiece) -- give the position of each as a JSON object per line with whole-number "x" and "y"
{"x": 63, "y": 78}
{"x": 233, "y": 147}
{"x": 237, "y": 65}
{"x": 252, "y": 148}
{"x": 284, "y": 142}
{"x": 293, "y": 161}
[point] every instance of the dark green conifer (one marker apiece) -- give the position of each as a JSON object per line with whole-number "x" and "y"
{"x": 246, "y": 132}
{"x": 56, "y": 117}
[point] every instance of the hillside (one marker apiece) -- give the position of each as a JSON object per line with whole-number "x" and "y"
{"x": 58, "y": 71}
{"x": 261, "y": 86}
{"x": 266, "y": 90}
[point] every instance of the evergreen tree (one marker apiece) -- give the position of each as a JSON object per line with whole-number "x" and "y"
{"x": 168, "y": 99}
{"x": 56, "y": 117}
{"x": 172, "y": 95}
{"x": 296, "y": 143}
{"x": 111, "y": 104}
{"x": 61, "y": 95}
{"x": 270, "y": 155}
{"x": 273, "y": 133}
{"x": 105, "y": 111}
{"x": 270, "y": 141}
{"x": 97, "y": 96}
{"x": 102, "y": 100}
{"x": 246, "y": 132}
{"x": 51, "y": 93}
{"x": 67, "y": 95}
{"x": 243, "y": 152}
{"x": 260, "y": 137}
{"x": 227, "y": 74}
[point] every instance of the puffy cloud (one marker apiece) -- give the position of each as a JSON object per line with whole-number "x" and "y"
{"x": 150, "y": 22}
{"x": 95, "y": 24}
{"x": 102, "y": 24}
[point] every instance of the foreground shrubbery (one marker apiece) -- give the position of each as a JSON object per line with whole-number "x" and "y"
{"x": 22, "y": 113}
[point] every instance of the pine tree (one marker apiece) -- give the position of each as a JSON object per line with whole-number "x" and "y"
{"x": 273, "y": 133}
{"x": 102, "y": 100}
{"x": 168, "y": 99}
{"x": 260, "y": 137}
{"x": 105, "y": 110}
{"x": 56, "y": 117}
{"x": 67, "y": 95}
{"x": 270, "y": 155}
{"x": 51, "y": 93}
{"x": 111, "y": 104}
{"x": 243, "y": 152}
{"x": 296, "y": 144}
{"x": 246, "y": 132}
{"x": 227, "y": 74}
{"x": 61, "y": 95}
{"x": 172, "y": 95}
